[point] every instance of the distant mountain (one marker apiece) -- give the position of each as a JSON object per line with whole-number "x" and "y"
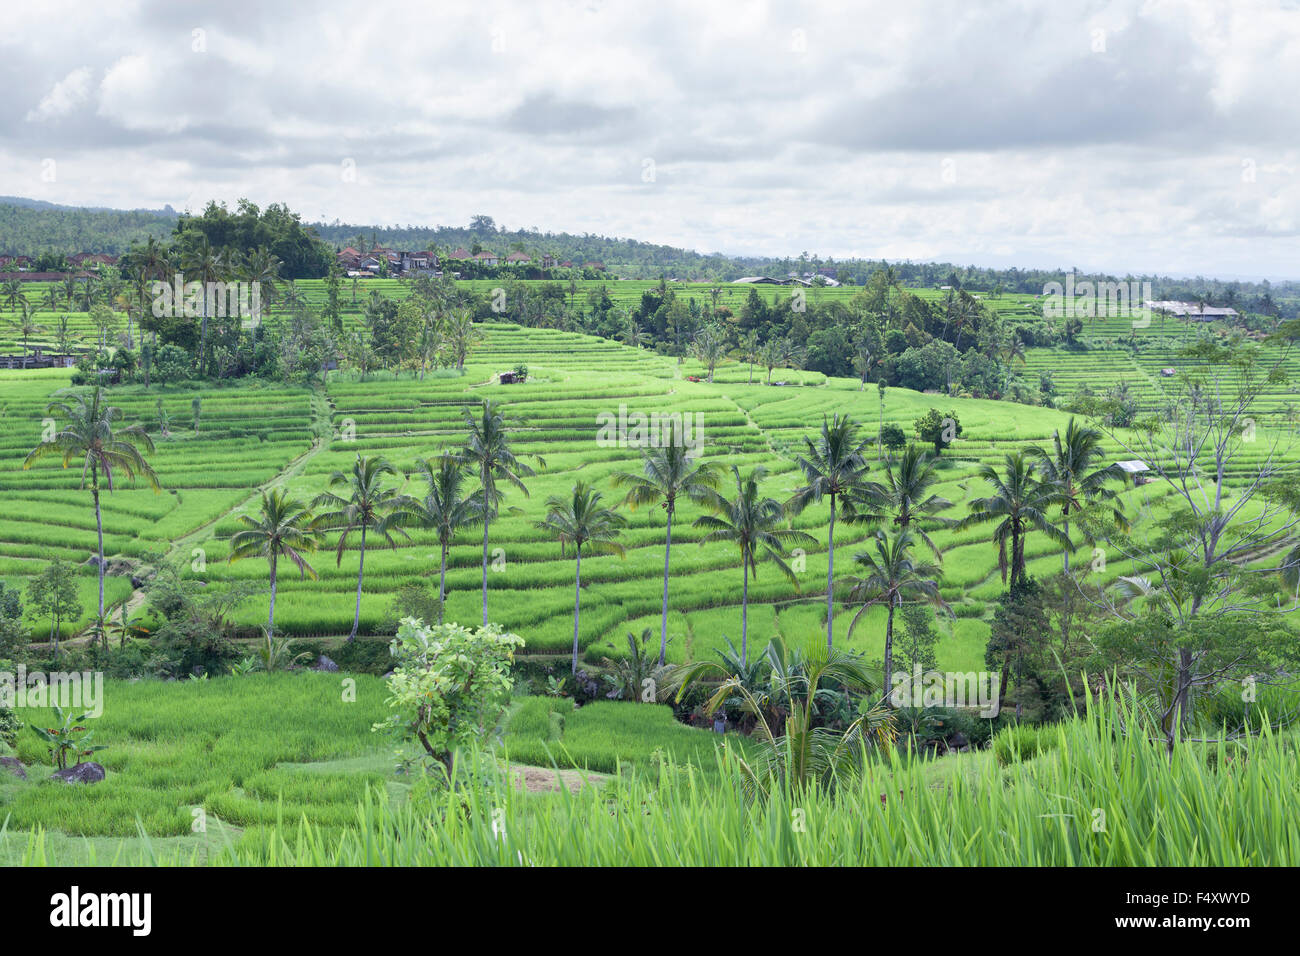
{"x": 32, "y": 226}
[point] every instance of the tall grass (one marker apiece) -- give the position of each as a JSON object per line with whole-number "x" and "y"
{"x": 1097, "y": 798}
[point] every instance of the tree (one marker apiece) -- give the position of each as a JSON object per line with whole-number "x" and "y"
{"x": 918, "y": 641}
{"x": 905, "y": 499}
{"x": 205, "y": 264}
{"x": 1072, "y": 467}
{"x": 91, "y": 435}
{"x": 283, "y": 528}
{"x": 668, "y": 472}
{"x": 450, "y": 687}
{"x": 834, "y": 467}
{"x": 580, "y": 520}
{"x": 1231, "y": 500}
{"x": 445, "y": 510}
{"x": 462, "y": 335}
{"x": 798, "y": 753}
{"x": 750, "y": 349}
{"x": 710, "y": 347}
{"x": 489, "y": 455}
{"x": 892, "y": 577}
{"x": 1022, "y": 501}
{"x": 754, "y": 524}
{"x": 367, "y": 505}
{"x": 938, "y": 429}
{"x": 53, "y": 594}
{"x": 26, "y": 327}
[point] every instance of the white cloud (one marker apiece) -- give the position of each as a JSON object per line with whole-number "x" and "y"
{"x": 65, "y": 96}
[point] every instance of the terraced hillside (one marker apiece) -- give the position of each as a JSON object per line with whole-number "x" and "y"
{"x": 251, "y": 436}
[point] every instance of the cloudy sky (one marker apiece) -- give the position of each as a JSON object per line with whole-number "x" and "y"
{"x": 1142, "y": 136}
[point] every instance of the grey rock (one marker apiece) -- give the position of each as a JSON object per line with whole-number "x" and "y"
{"x": 323, "y": 663}
{"x": 89, "y": 772}
{"x": 13, "y": 765}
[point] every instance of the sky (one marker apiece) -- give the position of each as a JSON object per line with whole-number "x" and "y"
{"x": 1121, "y": 136}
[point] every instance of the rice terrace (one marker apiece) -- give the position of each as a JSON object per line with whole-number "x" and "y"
{"x": 330, "y": 544}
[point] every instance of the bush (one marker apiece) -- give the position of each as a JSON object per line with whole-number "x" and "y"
{"x": 9, "y": 726}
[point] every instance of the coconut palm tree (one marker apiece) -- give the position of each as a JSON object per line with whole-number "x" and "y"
{"x": 26, "y": 327}
{"x": 205, "y": 264}
{"x": 710, "y": 347}
{"x": 367, "y": 505}
{"x": 489, "y": 455}
{"x": 69, "y": 287}
{"x": 1022, "y": 501}
{"x": 445, "y": 510}
{"x": 580, "y": 520}
{"x": 793, "y": 750}
{"x": 834, "y": 467}
{"x": 12, "y": 291}
{"x": 92, "y": 436}
{"x": 892, "y": 577}
{"x": 755, "y": 525}
{"x": 1072, "y": 466}
{"x": 462, "y": 336}
{"x": 749, "y": 351}
{"x": 905, "y": 500}
{"x": 283, "y": 528}
{"x": 668, "y": 473}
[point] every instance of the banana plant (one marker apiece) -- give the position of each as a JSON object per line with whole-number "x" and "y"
{"x": 70, "y": 737}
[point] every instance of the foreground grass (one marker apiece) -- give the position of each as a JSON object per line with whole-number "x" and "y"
{"x": 1096, "y": 797}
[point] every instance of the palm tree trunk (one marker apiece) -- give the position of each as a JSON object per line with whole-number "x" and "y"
{"x": 270, "y": 621}
{"x": 99, "y": 531}
{"x": 663, "y": 616}
{"x": 577, "y": 607}
{"x": 830, "y": 581}
{"x": 442, "y": 583}
{"x": 1065, "y": 526}
{"x": 361, "y": 570}
{"x": 744, "y": 612}
{"x": 889, "y": 649}
{"x": 485, "y": 552}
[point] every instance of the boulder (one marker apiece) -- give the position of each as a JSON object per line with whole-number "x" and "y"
{"x": 323, "y": 663}
{"x": 13, "y": 765}
{"x": 89, "y": 772}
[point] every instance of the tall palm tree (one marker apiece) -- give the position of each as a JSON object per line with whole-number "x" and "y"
{"x": 366, "y": 505}
{"x": 905, "y": 500}
{"x": 462, "y": 336}
{"x": 667, "y": 474}
{"x": 582, "y": 521}
{"x": 1072, "y": 466}
{"x": 755, "y": 525}
{"x": 891, "y": 576}
{"x": 92, "y": 436}
{"x": 1022, "y": 501}
{"x": 749, "y": 351}
{"x": 710, "y": 347}
{"x": 283, "y": 528}
{"x": 12, "y": 291}
{"x": 446, "y": 510}
{"x": 69, "y": 286}
{"x": 205, "y": 264}
{"x": 834, "y": 467}
{"x": 489, "y": 455}
{"x": 26, "y": 327}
